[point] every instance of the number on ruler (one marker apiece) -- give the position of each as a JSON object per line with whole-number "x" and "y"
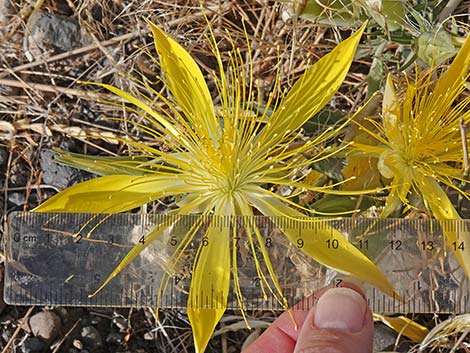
{"x": 332, "y": 243}
{"x": 427, "y": 245}
{"x": 395, "y": 244}
{"x": 364, "y": 244}
{"x": 269, "y": 242}
{"x": 458, "y": 245}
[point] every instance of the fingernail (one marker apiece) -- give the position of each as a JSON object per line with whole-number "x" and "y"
{"x": 340, "y": 309}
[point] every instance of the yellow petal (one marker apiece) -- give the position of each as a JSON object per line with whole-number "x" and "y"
{"x": 313, "y": 89}
{"x": 135, "y": 251}
{"x": 442, "y": 209}
{"x": 404, "y": 326}
{"x": 112, "y": 194}
{"x": 156, "y": 118}
{"x": 363, "y": 173}
{"x": 318, "y": 243}
{"x": 390, "y": 107}
{"x": 210, "y": 285}
{"x": 186, "y": 83}
{"x": 435, "y": 107}
{"x": 454, "y": 78}
{"x": 393, "y": 202}
{"x": 101, "y": 165}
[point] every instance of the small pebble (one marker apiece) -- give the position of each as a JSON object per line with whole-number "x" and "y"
{"x": 6, "y": 319}
{"x": 45, "y": 324}
{"x": 114, "y": 338}
{"x": 32, "y": 345}
{"x": 17, "y": 198}
{"x": 3, "y": 305}
{"x": 95, "y": 320}
{"x": 6, "y": 10}
{"x": 3, "y": 152}
{"x": 77, "y": 344}
{"x": 6, "y": 334}
{"x": 91, "y": 337}
{"x": 50, "y": 33}
{"x": 120, "y": 322}
{"x": 58, "y": 175}
{"x": 149, "y": 336}
{"x": 383, "y": 337}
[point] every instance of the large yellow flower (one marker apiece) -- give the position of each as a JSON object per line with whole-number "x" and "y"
{"x": 418, "y": 144}
{"x": 219, "y": 164}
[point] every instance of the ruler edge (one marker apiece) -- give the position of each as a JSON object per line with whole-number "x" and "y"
{"x": 13, "y": 214}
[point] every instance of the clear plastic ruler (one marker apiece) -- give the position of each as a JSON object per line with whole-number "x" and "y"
{"x": 61, "y": 258}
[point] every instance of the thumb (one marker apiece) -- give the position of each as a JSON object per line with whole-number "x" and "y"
{"x": 340, "y": 322}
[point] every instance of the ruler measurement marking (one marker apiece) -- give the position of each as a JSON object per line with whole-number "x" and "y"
{"x": 430, "y": 247}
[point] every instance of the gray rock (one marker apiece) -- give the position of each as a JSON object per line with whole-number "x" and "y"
{"x": 7, "y": 333}
{"x": 149, "y": 336}
{"x": 121, "y": 323}
{"x": 91, "y": 337}
{"x": 17, "y": 198}
{"x": 45, "y": 325}
{"x": 58, "y": 175}
{"x": 3, "y": 152}
{"x": 384, "y": 337}
{"x": 3, "y": 305}
{"x": 32, "y": 345}
{"x": 77, "y": 344}
{"x": 6, "y": 10}
{"x": 51, "y": 34}
{"x": 114, "y": 338}
{"x": 6, "y": 319}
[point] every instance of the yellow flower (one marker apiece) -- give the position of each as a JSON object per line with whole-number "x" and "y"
{"x": 219, "y": 164}
{"x": 418, "y": 144}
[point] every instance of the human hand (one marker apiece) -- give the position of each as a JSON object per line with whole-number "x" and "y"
{"x": 340, "y": 321}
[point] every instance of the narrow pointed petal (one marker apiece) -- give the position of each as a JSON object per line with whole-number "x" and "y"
{"x": 390, "y": 107}
{"x": 112, "y": 194}
{"x": 164, "y": 124}
{"x": 346, "y": 258}
{"x": 210, "y": 285}
{"x": 186, "y": 82}
{"x": 101, "y": 165}
{"x": 404, "y": 326}
{"x": 454, "y": 78}
{"x": 134, "y": 252}
{"x": 392, "y": 203}
{"x": 442, "y": 209}
{"x": 314, "y": 88}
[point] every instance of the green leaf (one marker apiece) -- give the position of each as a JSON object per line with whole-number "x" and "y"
{"x": 331, "y": 12}
{"x": 322, "y": 120}
{"x": 435, "y": 47}
{"x": 340, "y": 204}
{"x": 376, "y": 74}
{"x": 394, "y": 13}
